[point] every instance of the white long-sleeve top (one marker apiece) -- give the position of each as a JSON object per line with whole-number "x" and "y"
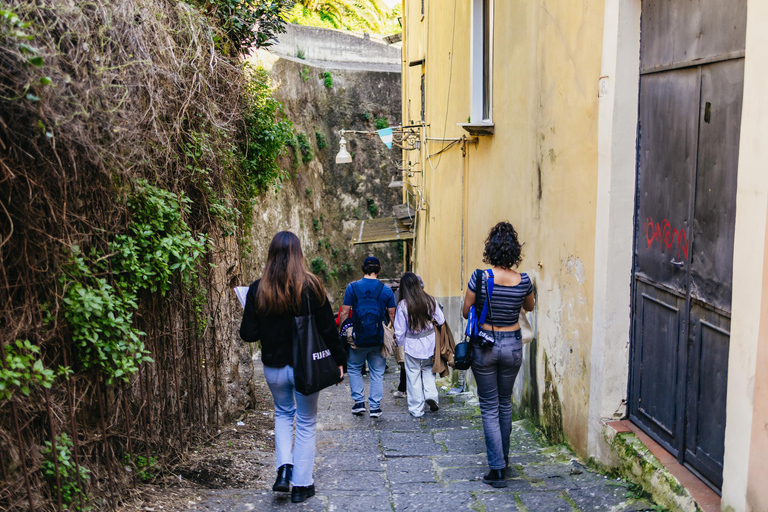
{"x": 420, "y": 345}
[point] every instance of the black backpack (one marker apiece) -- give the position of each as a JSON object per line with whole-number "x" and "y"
{"x": 368, "y": 317}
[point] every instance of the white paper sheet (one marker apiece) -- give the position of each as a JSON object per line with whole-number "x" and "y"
{"x": 241, "y": 292}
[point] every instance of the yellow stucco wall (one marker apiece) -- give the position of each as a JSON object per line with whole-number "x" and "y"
{"x": 538, "y": 170}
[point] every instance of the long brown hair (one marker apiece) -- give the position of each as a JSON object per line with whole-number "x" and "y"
{"x": 285, "y": 278}
{"x": 421, "y": 306}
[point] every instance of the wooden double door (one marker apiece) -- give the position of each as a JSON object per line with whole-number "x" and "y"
{"x": 691, "y": 81}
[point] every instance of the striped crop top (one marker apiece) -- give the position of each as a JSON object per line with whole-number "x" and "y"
{"x": 506, "y": 300}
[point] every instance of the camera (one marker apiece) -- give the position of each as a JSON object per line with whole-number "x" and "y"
{"x": 485, "y": 340}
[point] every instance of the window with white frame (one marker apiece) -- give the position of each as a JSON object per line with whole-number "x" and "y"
{"x": 481, "y": 109}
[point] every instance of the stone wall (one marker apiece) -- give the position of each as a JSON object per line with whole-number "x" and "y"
{"x": 322, "y": 44}
{"x": 321, "y": 201}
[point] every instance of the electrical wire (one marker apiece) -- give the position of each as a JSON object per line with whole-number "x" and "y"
{"x": 448, "y": 99}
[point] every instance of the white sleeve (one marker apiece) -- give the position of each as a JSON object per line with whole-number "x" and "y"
{"x": 401, "y": 323}
{"x": 438, "y": 314}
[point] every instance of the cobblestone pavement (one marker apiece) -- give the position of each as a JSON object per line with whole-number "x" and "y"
{"x": 399, "y": 463}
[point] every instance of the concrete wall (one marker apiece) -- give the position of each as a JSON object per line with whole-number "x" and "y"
{"x": 538, "y": 170}
{"x": 746, "y": 432}
{"x": 614, "y": 222}
{"x": 323, "y": 44}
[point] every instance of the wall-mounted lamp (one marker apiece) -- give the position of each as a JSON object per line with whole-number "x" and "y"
{"x": 343, "y": 156}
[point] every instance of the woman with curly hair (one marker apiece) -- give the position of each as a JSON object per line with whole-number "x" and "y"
{"x": 496, "y": 363}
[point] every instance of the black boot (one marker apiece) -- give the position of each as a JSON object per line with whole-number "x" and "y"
{"x": 283, "y": 481}
{"x": 299, "y": 494}
{"x": 495, "y": 478}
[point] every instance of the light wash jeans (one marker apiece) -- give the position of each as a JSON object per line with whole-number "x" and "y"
{"x": 421, "y": 384}
{"x": 289, "y": 403}
{"x": 495, "y": 370}
{"x": 376, "y": 366}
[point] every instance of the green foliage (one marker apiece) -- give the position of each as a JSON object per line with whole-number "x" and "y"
{"x": 68, "y": 471}
{"x": 23, "y": 369}
{"x": 319, "y": 267}
{"x": 367, "y": 116}
{"x": 307, "y": 154}
{"x": 15, "y": 33}
{"x": 372, "y": 208}
{"x": 100, "y": 320}
{"x": 301, "y": 54}
{"x": 158, "y": 243}
{"x": 146, "y": 469}
{"x": 304, "y": 73}
{"x": 328, "y": 79}
{"x": 268, "y": 131}
{"x": 316, "y": 225}
{"x": 322, "y": 142}
{"x": 308, "y": 191}
{"x": 157, "y": 251}
{"x": 356, "y": 15}
{"x": 238, "y": 18}
{"x": 381, "y": 123}
{"x": 400, "y": 249}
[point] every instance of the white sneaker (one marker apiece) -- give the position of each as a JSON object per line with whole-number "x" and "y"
{"x": 399, "y": 394}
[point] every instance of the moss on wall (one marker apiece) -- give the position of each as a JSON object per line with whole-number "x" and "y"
{"x": 551, "y": 408}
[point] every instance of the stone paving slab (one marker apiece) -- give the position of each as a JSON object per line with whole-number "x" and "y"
{"x": 400, "y": 463}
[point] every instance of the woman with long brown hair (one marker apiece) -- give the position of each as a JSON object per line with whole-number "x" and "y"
{"x": 415, "y": 331}
{"x": 286, "y": 290}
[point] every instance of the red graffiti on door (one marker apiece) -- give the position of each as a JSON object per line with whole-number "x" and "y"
{"x": 663, "y": 233}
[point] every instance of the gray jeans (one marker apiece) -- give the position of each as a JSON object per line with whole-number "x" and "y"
{"x": 495, "y": 369}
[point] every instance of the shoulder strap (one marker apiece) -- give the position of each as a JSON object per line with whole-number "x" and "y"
{"x": 380, "y": 287}
{"x": 487, "y": 301}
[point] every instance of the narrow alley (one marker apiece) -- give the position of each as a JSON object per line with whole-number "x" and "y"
{"x": 398, "y": 463}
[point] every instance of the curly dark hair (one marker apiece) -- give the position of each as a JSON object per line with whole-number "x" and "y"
{"x": 502, "y": 249}
{"x": 371, "y": 268}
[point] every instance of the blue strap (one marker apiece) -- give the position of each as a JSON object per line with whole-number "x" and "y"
{"x": 484, "y": 313}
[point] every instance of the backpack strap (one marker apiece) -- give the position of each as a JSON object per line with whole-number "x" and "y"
{"x": 354, "y": 293}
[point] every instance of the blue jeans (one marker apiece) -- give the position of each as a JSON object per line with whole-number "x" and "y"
{"x": 289, "y": 403}
{"x": 495, "y": 369}
{"x": 376, "y": 366}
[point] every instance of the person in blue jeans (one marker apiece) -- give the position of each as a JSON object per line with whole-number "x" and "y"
{"x": 496, "y": 363}
{"x": 287, "y": 289}
{"x": 373, "y": 303}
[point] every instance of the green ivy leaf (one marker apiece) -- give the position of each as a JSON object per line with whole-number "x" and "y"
{"x": 36, "y": 61}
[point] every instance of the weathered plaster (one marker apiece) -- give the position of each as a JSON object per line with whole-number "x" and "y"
{"x": 614, "y": 219}
{"x": 538, "y": 170}
{"x": 746, "y": 450}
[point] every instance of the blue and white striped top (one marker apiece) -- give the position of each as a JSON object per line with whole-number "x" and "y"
{"x": 506, "y": 300}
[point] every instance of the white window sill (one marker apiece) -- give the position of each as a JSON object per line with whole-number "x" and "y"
{"x": 484, "y": 128}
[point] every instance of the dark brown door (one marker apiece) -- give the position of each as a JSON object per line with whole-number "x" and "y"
{"x": 692, "y": 68}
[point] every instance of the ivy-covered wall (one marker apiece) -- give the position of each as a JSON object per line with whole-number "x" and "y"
{"x": 321, "y": 201}
{"x": 135, "y": 143}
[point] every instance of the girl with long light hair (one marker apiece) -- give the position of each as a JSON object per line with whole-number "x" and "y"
{"x": 286, "y": 290}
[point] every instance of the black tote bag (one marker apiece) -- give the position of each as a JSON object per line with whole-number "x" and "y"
{"x": 313, "y": 366}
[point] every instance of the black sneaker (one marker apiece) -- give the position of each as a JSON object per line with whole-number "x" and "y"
{"x": 299, "y": 494}
{"x": 358, "y": 408}
{"x": 283, "y": 481}
{"x": 495, "y": 478}
{"x": 375, "y": 413}
{"x": 432, "y": 405}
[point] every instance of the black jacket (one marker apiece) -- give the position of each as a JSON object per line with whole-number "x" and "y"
{"x": 276, "y": 331}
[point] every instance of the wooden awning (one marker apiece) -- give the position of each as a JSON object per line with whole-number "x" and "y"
{"x": 385, "y": 229}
